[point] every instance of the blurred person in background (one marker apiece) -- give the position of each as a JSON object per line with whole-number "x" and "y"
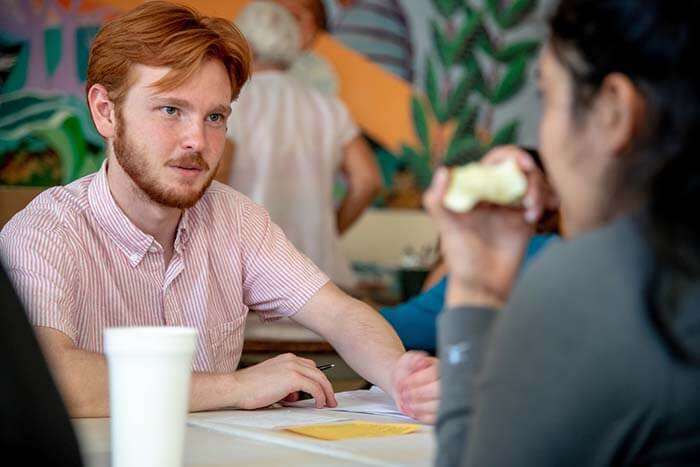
{"x": 289, "y": 143}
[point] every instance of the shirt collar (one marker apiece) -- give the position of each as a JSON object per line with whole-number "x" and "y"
{"x": 131, "y": 240}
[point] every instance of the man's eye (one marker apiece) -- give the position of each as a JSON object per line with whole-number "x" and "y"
{"x": 216, "y": 118}
{"x": 169, "y": 110}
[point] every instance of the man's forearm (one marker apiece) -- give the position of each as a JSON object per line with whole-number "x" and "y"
{"x": 213, "y": 391}
{"x": 83, "y": 379}
{"x": 367, "y": 343}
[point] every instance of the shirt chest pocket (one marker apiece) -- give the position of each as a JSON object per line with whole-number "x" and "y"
{"x": 227, "y": 344}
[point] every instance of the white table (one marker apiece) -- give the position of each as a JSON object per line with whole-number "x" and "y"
{"x": 255, "y": 447}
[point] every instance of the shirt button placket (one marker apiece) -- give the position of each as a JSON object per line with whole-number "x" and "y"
{"x": 168, "y": 306}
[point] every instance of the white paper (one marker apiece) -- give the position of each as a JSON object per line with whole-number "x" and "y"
{"x": 272, "y": 418}
{"x": 373, "y": 402}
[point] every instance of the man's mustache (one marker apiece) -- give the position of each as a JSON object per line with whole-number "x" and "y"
{"x": 189, "y": 161}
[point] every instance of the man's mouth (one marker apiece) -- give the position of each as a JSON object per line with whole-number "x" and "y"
{"x": 188, "y": 167}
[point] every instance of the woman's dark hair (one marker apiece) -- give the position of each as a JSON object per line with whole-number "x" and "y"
{"x": 656, "y": 44}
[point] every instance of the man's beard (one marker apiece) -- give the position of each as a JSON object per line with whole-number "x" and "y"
{"x": 134, "y": 164}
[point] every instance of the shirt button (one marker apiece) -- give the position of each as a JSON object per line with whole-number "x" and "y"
{"x": 152, "y": 249}
{"x": 134, "y": 258}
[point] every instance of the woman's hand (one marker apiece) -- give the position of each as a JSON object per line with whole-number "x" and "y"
{"x": 484, "y": 247}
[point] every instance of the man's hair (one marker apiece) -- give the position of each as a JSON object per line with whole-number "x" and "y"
{"x": 163, "y": 34}
{"x": 272, "y": 32}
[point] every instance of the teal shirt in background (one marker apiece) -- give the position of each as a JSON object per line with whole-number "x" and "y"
{"x": 415, "y": 320}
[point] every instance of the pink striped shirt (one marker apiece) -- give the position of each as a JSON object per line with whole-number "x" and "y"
{"x": 80, "y": 265}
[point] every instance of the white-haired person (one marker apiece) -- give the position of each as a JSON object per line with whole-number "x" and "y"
{"x": 290, "y": 142}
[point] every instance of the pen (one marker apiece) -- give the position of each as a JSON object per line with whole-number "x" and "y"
{"x": 325, "y": 367}
{"x": 305, "y": 395}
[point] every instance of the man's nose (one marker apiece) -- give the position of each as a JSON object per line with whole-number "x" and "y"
{"x": 193, "y": 137}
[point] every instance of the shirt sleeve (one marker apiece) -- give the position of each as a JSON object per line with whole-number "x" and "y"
{"x": 37, "y": 255}
{"x": 463, "y": 336}
{"x": 278, "y": 280}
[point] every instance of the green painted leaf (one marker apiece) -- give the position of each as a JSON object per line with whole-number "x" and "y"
{"x": 516, "y": 12}
{"x": 407, "y": 152}
{"x": 472, "y": 67}
{"x": 18, "y": 102}
{"x": 35, "y": 121}
{"x": 466, "y": 38}
{"x": 494, "y": 9}
{"x": 64, "y": 135}
{"x": 62, "y": 132}
{"x": 467, "y": 121}
{"x": 18, "y": 71}
{"x": 443, "y": 47}
{"x": 512, "y": 13}
{"x": 507, "y": 134}
{"x": 485, "y": 43}
{"x": 433, "y": 92}
{"x": 83, "y": 40}
{"x": 53, "y": 38}
{"x": 22, "y": 106}
{"x": 446, "y": 8}
{"x": 420, "y": 122}
{"x": 513, "y": 80}
{"x": 460, "y": 95}
{"x": 516, "y": 50}
{"x": 91, "y": 164}
{"x": 468, "y": 8}
{"x": 462, "y": 150}
{"x": 419, "y": 164}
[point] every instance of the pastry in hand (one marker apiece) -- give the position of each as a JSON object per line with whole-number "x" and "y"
{"x": 470, "y": 184}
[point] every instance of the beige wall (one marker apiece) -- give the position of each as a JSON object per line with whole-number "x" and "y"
{"x": 381, "y": 234}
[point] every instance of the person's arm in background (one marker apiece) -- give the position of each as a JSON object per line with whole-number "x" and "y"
{"x": 436, "y": 274}
{"x": 364, "y": 182}
{"x": 223, "y": 173}
{"x": 414, "y": 320}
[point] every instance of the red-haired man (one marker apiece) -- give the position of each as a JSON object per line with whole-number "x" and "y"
{"x": 150, "y": 240}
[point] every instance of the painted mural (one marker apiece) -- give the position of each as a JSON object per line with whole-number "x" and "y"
{"x": 46, "y": 136}
{"x": 450, "y": 65}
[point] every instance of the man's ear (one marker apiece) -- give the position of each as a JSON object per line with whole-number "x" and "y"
{"x": 621, "y": 113}
{"x": 102, "y": 110}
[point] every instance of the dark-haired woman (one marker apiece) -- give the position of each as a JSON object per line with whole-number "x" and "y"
{"x": 593, "y": 359}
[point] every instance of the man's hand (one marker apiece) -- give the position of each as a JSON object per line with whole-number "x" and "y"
{"x": 280, "y": 378}
{"x": 416, "y": 382}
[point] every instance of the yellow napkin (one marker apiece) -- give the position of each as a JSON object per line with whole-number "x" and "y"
{"x": 355, "y": 429}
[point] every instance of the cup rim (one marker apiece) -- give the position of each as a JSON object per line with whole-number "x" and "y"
{"x": 164, "y": 330}
{"x": 136, "y": 339}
